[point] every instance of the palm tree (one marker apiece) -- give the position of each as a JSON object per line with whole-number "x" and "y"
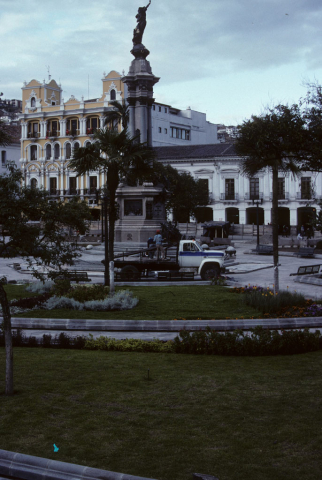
{"x": 118, "y": 116}
{"x": 119, "y": 157}
{"x": 273, "y": 140}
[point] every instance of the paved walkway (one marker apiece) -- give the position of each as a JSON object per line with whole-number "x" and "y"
{"x": 249, "y": 268}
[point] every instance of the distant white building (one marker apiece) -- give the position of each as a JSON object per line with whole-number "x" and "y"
{"x": 171, "y": 126}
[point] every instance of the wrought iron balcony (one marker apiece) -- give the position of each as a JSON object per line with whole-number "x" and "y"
{"x": 229, "y": 197}
{"x": 33, "y": 134}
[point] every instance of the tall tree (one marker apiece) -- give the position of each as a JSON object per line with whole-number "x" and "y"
{"x": 118, "y": 116}
{"x": 119, "y": 157}
{"x": 312, "y": 115}
{"x": 273, "y": 140}
{"x": 182, "y": 194}
{"x": 44, "y": 241}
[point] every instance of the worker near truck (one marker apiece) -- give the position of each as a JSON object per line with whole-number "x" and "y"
{"x": 158, "y": 243}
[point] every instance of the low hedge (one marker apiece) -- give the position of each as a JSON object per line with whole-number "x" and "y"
{"x": 258, "y": 341}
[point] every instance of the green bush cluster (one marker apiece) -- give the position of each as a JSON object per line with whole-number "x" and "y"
{"x": 83, "y": 293}
{"x": 265, "y": 301}
{"x": 128, "y": 345}
{"x": 259, "y": 341}
{"x": 238, "y": 343}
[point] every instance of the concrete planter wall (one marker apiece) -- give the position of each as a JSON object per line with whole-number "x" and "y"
{"x": 16, "y": 466}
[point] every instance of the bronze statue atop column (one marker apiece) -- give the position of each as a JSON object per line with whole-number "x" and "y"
{"x": 141, "y": 24}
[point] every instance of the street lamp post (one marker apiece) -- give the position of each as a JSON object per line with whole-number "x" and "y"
{"x": 257, "y": 202}
{"x": 104, "y": 205}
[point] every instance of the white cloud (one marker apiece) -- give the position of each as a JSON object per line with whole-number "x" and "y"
{"x": 191, "y": 43}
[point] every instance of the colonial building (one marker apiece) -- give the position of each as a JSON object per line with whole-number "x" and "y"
{"x": 53, "y": 129}
{"x": 232, "y": 195}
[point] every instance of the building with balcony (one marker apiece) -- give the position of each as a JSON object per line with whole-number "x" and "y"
{"x": 52, "y": 129}
{"x": 233, "y": 196}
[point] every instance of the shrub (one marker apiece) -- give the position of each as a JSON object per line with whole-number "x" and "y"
{"x": 62, "y": 302}
{"x": 84, "y": 293}
{"x": 40, "y": 287}
{"x": 258, "y": 342}
{"x": 46, "y": 341}
{"x": 31, "y": 342}
{"x": 30, "y": 302}
{"x": 63, "y": 340}
{"x": 266, "y": 302}
{"x": 18, "y": 338}
{"x": 61, "y": 287}
{"x": 128, "y": 345}
{"x": 122, "y": 300}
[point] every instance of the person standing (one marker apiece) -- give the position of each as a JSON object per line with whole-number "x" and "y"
{"x": 158, "y": 243}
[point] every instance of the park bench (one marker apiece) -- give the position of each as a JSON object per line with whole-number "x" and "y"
{"x": 174, "y": 275}
{"x": 74, "y": 276}
{"x": 305, "y": 252}
{"x": 308, "y": 270}
{"x": 264, "y": 249}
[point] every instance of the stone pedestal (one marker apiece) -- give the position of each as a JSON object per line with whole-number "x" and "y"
{"x": 140, "y": 81}
{"x": 140, "y": 213}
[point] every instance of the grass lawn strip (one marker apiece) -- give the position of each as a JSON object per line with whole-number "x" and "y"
{"x": 236, "y": 418}
{"x": 159, "y": 303}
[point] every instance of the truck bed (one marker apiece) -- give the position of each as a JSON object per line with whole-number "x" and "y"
{"x": 145, "y": 263}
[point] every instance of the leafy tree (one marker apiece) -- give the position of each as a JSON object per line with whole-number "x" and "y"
{"x": 118, "y": 116}
{"x": 312, "y": 115}
{"x": 273, "y": 140}
{"x": 118, "y": 156}
{"x": 182, "y": 194}
{"x": 45, "y": 241}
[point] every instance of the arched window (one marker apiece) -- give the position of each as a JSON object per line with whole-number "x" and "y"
{"x": 48, "y": 152}
{"x": 112, "y": 95}
{"x": 87, "y": 144}
{"x": 68, "y": 150}
{"x": 33, "y": 183}
{"x": 33, "y": 152}
{"x": 76, "y": 146}
{"x": 33, "y": 102}
{"x": 57, "y": 151}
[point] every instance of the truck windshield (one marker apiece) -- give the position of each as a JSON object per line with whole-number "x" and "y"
{"x": 198, "y": 245}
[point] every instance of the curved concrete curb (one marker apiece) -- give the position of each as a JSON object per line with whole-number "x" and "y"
{"x": 27, "y": 467}
{"x": 162, "y": 325}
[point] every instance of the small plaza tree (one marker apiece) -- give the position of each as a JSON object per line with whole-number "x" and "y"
{"x": 273, "y": 140}
{"x": 182, "y": 194}
{"x": 33, "y": 227}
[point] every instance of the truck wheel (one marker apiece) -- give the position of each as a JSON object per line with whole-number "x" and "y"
{"x": 130, "y": 273}
{"x": 210, "y": 271}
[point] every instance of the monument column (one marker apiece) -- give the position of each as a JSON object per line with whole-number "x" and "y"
{"x": 140, "y": 81}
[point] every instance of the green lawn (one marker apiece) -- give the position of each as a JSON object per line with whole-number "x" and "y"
{"x": 235, "y": 418}
{"x": 163, "y": 303}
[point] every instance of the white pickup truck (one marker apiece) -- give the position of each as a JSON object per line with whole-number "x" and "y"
{"x": 190, "y": 254}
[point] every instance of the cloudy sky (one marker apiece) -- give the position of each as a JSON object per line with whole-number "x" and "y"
{"x": 228, "y": 58}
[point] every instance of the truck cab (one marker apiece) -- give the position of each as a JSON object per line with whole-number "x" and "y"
{"x": 208, "y": 263}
